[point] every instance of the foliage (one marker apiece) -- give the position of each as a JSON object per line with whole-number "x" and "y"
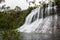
{"x": 17, "y": 8}
{"x": 57, "y": 0}
{"x": 10, "y": 21}
{"x": 13, "y": 19}
{"x": 10, "y": 35}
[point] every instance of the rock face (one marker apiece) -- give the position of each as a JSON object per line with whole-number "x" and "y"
{"x": 58, "y": 12}
{"x": 58, "y": 8}
{"x": 58, "y": 20}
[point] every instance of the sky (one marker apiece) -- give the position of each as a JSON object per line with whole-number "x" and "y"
{"x": 12, "y": 3}
{"x": 21, "y": 3}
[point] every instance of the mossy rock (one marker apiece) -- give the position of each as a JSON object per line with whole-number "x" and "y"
{"x": 57, "y": 0}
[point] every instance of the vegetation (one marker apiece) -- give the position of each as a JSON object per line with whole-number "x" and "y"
{"x": 11, "y": 35}
{"x": 10, "y": 20}
{"x": 57, "y": 0}
{"x": 13, "y": 19}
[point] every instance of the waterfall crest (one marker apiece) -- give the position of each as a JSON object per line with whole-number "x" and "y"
{"x": 40, "y": 20}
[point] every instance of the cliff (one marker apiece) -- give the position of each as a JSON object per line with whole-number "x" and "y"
{"x": 58, "y": 12}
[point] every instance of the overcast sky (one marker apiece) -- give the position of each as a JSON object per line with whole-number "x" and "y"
{"x": 21, "y": 3}
{"x": 12, "y": 3}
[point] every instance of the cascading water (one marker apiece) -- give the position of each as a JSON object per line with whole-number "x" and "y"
{"x": 40, "y": 21}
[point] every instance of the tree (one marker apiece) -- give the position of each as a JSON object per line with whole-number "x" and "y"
{"x": 57, "y": 0}
{"x": 29, "y": 2}
{"x": 4, "y": 8}
{"x": 17, "y": 8}
{"x": 8, "y": 8}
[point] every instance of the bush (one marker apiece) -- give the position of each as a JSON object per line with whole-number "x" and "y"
{"x": 10, "y": 35}
{"x": 13, "y": 19}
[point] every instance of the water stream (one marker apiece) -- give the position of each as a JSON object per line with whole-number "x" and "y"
{"x": 41, "y": 20}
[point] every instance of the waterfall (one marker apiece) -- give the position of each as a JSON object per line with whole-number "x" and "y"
{"x": 41, "y": 20}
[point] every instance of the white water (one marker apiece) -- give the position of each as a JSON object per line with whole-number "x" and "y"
{"x": 35, "y": 22}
